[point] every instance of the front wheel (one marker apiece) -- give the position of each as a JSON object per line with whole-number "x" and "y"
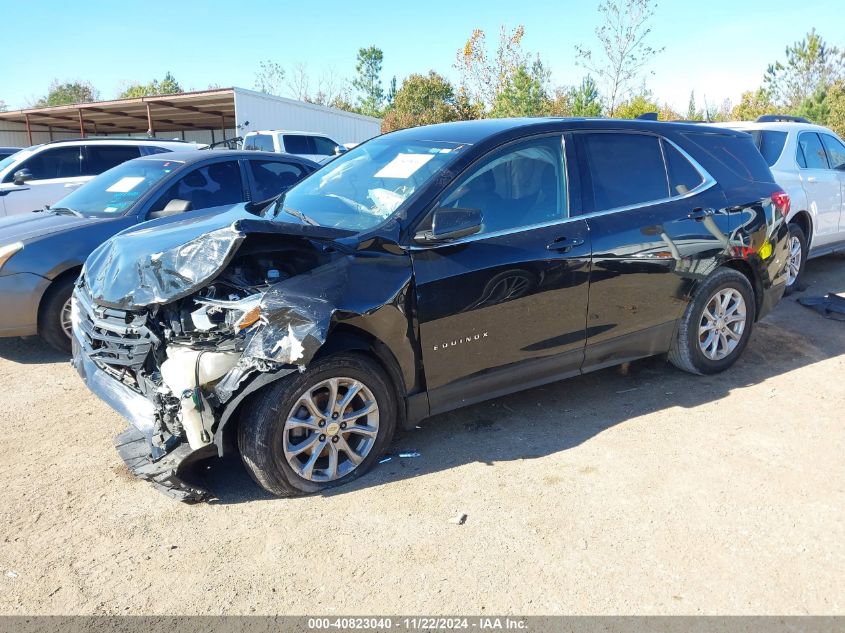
{"x": 54, "y": 322}
{"x": 716, "y": 324}
{"x": 319, "y": 429}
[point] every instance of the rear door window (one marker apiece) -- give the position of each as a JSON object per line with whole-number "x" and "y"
{"x": 56, "y": 162}
{"x": 811, "y": 154}
{"x": 324, "y": 146}
{"x": 271, "y": 177}
{"x": 103, "y": 157}
{"x": 624, "y": 169}
{"x": 299, "y": 144}
{"x": 835, "y": 151}
{"x": 207, "y": 186}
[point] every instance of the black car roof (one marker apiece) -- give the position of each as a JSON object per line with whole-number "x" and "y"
{"x": 198, "y": 155}
{"x": 483, "y": 129}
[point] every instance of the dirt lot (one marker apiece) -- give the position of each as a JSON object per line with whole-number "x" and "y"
{"x": 638, "y": 490}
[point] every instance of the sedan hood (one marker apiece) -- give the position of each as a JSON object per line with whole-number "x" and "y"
{"x": 164, "y": 260}
{"x": 30, "y": 226}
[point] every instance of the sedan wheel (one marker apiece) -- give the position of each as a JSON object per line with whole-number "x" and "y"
{"x": 65, "y": 319}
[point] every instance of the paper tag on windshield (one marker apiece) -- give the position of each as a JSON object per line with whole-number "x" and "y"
{"x": 403, "y": 166}
{"x": 126, "y": 184}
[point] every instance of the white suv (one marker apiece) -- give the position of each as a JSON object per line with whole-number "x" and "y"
{"x": 316, "y": 147}
{"x": 43, "y": 174}
{"x": 808, "y": 161}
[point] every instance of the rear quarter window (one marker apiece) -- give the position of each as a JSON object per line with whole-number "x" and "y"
{"x": 736, "y": 155}
{"x": 770, "y": 143}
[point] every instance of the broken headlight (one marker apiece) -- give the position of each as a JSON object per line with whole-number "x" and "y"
{"x": 220, "y": 314}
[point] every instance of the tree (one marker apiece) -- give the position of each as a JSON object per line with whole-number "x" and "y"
{"x": 67, "y": 93}
{"x": 636, "y": 105}
{"x": 166, "y": 86}
{"x": 368, "y": 81}
{"x": 3, "y": 106}
{"x": 422, "y": 100}
{"x": 586, "y": 100}
{"x": 560, "y": 102}
{"x": 485, "y": 76}
{"x": 270, "y": 78}
{"x": 811, "y": 65}
{"x": 625, "y": 53}
{"x": 753, "y": 104}
{"x": 522, "y": 95}
{"x": 298, "y": 83}
{"x": 836, "y": 108}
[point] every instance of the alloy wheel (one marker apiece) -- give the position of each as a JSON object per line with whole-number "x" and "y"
{"x": 330, "y": 429}
{"x": 65, "y": 319}
{"x": 793, "y": 262}
{"x": 722, "y": 324}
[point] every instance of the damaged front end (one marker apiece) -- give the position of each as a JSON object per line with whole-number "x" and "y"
{"x": 175, "y": 330}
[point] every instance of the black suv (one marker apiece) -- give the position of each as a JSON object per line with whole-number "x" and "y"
{"x": 422, "y": 271}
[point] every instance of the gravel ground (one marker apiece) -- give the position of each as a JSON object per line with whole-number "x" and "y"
{"x": 637, "y": 489}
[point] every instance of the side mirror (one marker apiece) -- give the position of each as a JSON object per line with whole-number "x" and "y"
{"x": 451, "y": 223}
{"x": 172, "y": 208}
{"x": 21, "y": 176}
{"x": 339, "y": 149}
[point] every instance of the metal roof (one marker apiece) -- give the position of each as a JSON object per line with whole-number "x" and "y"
{"x": 201, "y": 110}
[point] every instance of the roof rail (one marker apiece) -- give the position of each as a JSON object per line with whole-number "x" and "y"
{"x": 118, "y": 138}
{"x": 781, "y": 118}
{"x": 648, "y": 116}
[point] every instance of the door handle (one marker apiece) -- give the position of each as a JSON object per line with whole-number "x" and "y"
{"x": 812, "y": 179}
{"x": 699, "y": 214}
{"x": 565, "y": 244}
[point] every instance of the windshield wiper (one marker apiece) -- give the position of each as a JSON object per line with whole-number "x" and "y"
{"x": 301, "y": 216}
{"x": 65, "y": 211}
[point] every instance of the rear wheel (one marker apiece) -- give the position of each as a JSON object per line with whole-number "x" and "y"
{"x": 54, "y": 324}
{"x": 796, "y": 259}
{"x": 716, "y": 324}
{"x": 319, "y": 429}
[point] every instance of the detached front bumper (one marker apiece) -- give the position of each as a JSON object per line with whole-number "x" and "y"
{"x": 134, "y": 445}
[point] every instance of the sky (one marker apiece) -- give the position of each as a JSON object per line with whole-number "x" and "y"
{"x": 717, "y": 48}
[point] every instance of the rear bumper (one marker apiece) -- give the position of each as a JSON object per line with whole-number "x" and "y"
{"x": 20, "y": 295}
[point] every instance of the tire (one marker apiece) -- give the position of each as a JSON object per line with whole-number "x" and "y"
{"x": 264, "y": 434}
{"x": 55, "y": 301}
{"x": 686, "y": 352}
{"x": 798, "y": 240}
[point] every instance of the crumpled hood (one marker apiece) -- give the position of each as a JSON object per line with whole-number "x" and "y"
{"x": 164, "y": 260}
{"x": 25, "y": 227}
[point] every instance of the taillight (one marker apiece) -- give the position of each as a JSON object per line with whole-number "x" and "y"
{"x": 781, "y": 201}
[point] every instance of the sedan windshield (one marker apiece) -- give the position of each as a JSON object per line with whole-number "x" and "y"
{"x": 368, "y": 184}
{"x": 115, "y": 191}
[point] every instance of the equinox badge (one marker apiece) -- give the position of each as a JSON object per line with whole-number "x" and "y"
{"x": 469, "y": 339}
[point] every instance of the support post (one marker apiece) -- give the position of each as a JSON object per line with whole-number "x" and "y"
{"x": 28, "y": 128}
{"x": 81, "y": 123}
{"x": 150, "y": 128}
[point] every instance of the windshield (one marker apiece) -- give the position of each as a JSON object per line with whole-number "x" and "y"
{"x": 14, "y": 158}
{"x": 365, "y": 186}
{"x": 115, "y": 191}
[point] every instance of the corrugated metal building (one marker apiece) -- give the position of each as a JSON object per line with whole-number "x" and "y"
{"x": 208, "y": 116}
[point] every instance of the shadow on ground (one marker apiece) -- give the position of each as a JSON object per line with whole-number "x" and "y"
{"x": 561, "y": 415}
{"x": 30, "y": 350}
